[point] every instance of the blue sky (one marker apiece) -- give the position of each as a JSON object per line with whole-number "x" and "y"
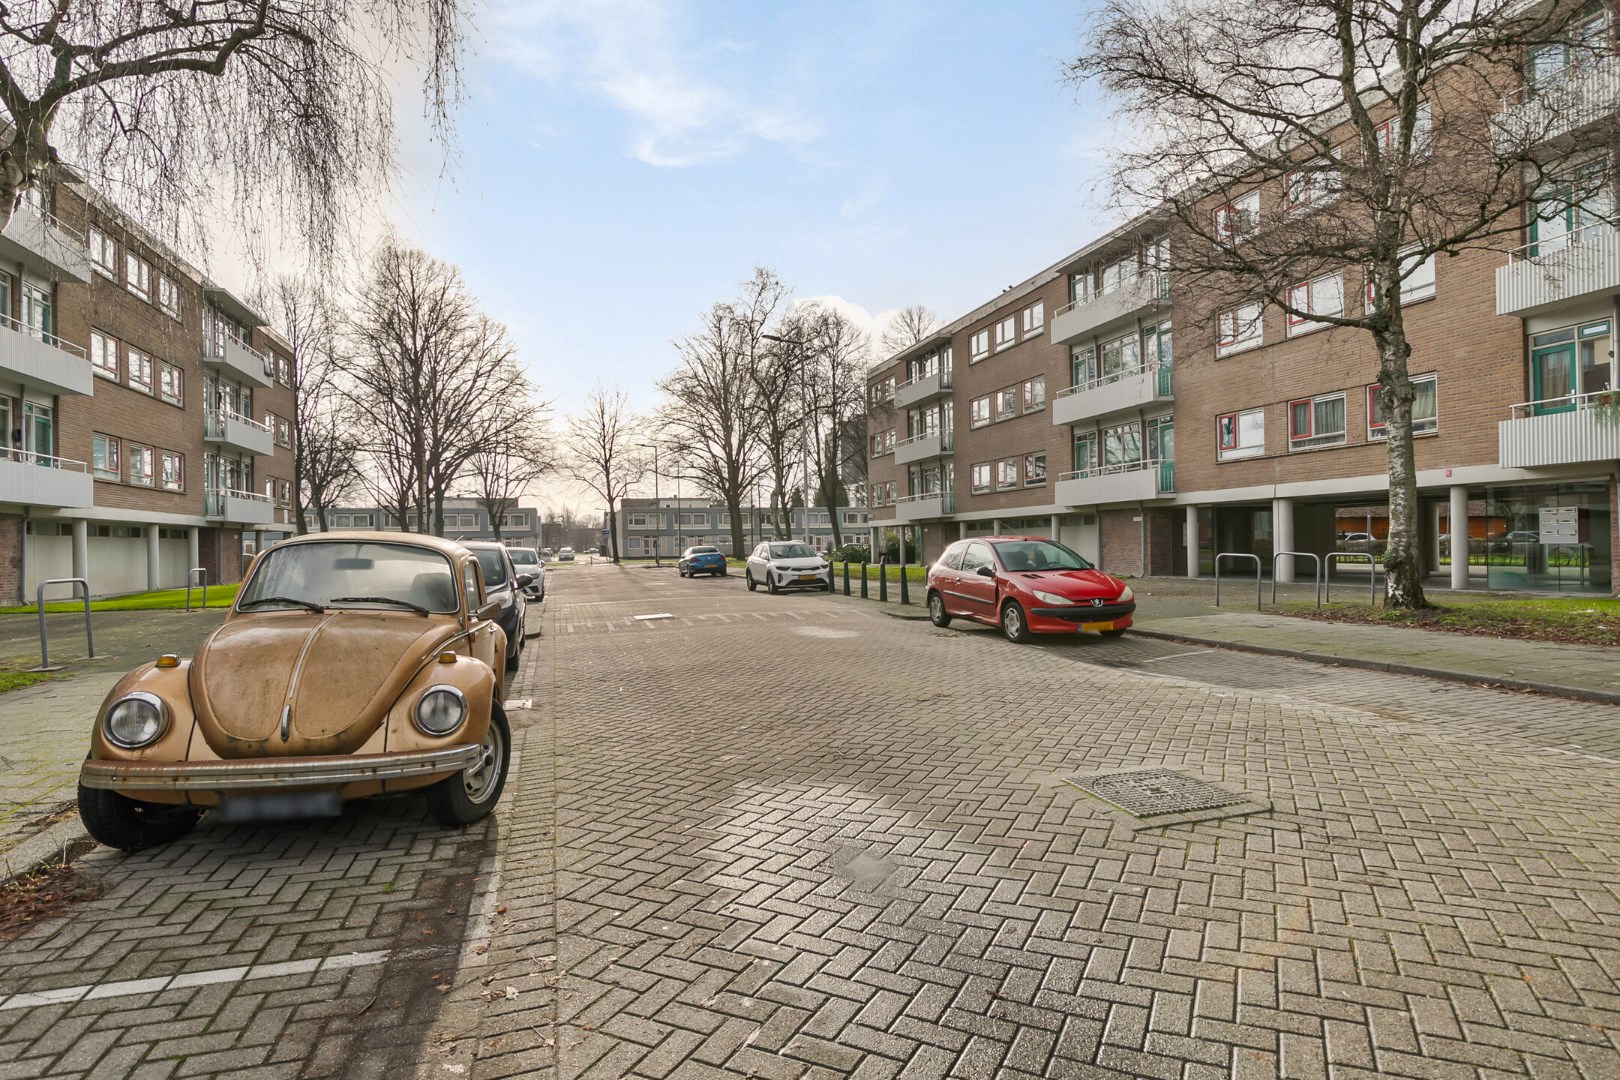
{"x": 622, "y": 164}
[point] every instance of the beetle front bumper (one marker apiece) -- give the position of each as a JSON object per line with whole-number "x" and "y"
{"x": 259, "y": 774}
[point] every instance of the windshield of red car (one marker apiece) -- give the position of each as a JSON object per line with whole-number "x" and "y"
{"x": 318, "y": 572}
{"x": 1025, "y": 555}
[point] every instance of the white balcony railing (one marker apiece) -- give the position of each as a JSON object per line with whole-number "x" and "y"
{"x": 1149, "y": 289}
{"x": 1582, "y": 94}
{"x": 43, "y": 335}
{"x": 33, "y": 479}
{"x": 47, "y": 461}
{"x": 1573, "y": 430}
{"x": 1124, "y": 481}
{"x": 1574, "y": 266}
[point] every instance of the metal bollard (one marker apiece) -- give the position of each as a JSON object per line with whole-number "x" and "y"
{"x": 905, "y": 594}
{"x": 883, "y": 581}
{"x": 846, "y": 577}
{"x": 864, "y": 594}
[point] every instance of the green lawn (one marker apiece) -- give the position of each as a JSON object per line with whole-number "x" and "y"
{"x": 1584, "y": 620}
{"x": 162, "y": 600}
{"x": 16, "y": 680}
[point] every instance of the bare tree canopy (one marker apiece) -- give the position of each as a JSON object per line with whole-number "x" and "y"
{"x": 907, "y": 327}
{"x": 602, "y": 450}
{"x": 838, "y": 353}
{"x": 285, "y": 100}
{"x": 506, "y": 464}
{"x": 1287, "y": 141}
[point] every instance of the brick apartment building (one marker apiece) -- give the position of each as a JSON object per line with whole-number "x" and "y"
{"x": 668, "y": 526}
{"x": 145, "y": 412}
{"x": 1053, "y": 408}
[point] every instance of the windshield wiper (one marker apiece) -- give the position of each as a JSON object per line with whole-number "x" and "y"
{"x": 418, "y": 608}
{"x": 316, "y": 608}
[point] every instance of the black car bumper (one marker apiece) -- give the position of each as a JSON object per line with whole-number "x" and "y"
{"x": 1080, "y": 613}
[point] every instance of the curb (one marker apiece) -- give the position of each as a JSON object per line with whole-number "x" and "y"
{"x": 41, "y": 848}
{"x": 1601, "y": 697}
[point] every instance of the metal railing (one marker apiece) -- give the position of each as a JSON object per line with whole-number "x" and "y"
{"x": 197, "y": 575}
{"x": 48, "y": 461}
{"x": 1592, "y": 74}
{"x": 1575, "y": 238}
{"x": 1597, "y": 399}
{"x": 1372, "y": 574}
{"x": 943, "y": 373}
{"x": 1153, "y": 367}
{"x": 218, "y": 354}
{"x": 214, "y": 422}
{"x": 1317, "y": 571}
{"x": 11, "y": 323}
{"x": 1167, "y": 477}
{"x": 946, "y": 439}
{"x": 214, "y": 500}
{"x": 1118, "y": 467}
{"x": 1160, "y": 288}
{"x": 1237, "y": 555}
{"x": 947, "y": 504}
{"x": 39, "y": 603}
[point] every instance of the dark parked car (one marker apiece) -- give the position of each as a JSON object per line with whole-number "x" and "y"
{"x": 1025, "y": 585}
{"x": 503, "y": 585}
{"x": 702, "y": 560}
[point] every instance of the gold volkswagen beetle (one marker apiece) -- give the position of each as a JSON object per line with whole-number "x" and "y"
{"x": 350, "y": 665}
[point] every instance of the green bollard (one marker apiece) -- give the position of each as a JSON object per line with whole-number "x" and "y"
{"x": 905, "y": 595}
{"x": 846, "y": 577}
{"x": 864, "y": 594}
{"x": 883, "y": 581}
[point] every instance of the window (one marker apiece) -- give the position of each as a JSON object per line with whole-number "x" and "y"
{"x": 1035, "y": 393}
{"x": 1006, "y": 403}
{"x": 141, "y": 460}
{"x": 1417, "y": 284}
{"x": 1080, "y": 286}
{"x": 1319, "y": 296}
{"x": 1422, "y": 126}
{"x": 1317, "y": 421}
{"x": 1034, "y": 470}
{"x": 1425, "y": 408}
{"x": 1237, "y": 329}
{"x": 137, "y": 275}
{"x": 140, "y": 370}
{"x": 174, "y": 471}
{"x": 1564, "y": 206}
{"x": 1006, "y": 474}
{"x": 980, "y": 347}
{"x": 1117, "y": 274}
{"x": 104, "y": 355}
{"x": 1006, "y": 332}
{"x": 981, "y": 477}
{"x": 1240, "y": 434}
{"x": 172, "y": 384}
{"x": 104, "y": 458}
{"x": 1084, "y": 456}
{"x": 103, "y": 253}
{"x": 1237, "y": 219}
{"x": 1082, "y": 365}
{"x": 1312, "y": 184}
{"x": 1034, "y": 317}
{"x": 168, "y": 296}
{"x": 979, "y": 412}
{"x": 1121, "y": 356}
{"x": 1122, "y": 444}
{"x": 283, "y": 431}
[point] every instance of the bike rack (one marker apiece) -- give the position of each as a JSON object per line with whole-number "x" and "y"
{"x": 1237, "y": 555}
{"x": 1317, "y": 559}
{"x": 1372, "y": 574}
{"x": 193, "y": 576}
{"x": 39, "y": 602}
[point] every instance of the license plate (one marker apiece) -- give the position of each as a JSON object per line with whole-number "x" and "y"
{"x": 1096, "y": 626}
{"x": 283, "y": 807}
{"x": 809, "y": 577}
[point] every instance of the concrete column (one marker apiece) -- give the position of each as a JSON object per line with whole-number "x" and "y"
{"x": 902, "y": 532}
{"x": 1055, "y": 520}
{"x": 1459, "y": 537}
{"x": 153, "y": 568}
{"x": 961, "y": 530}
{"x": 193, "y": 553}
{"x": 995, "y": 527}
{"x": 1192, "y": 541}
{"x": 81, "y": 550}
{"x": 1282, "y": 532}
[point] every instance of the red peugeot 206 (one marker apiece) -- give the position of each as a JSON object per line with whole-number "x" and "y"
{"x": 1026, "y": 585}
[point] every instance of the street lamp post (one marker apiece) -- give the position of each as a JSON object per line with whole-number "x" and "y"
{"x": 658, "y": 534}
{"x": 804, "y": 429}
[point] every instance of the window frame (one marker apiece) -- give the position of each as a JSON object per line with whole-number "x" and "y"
{"x": 975, "y": 485}
{"x": 1008, "y": 395}
{"x": 1377, "y": 431}
{"x": 1008, "y": 472}
{"x": 164, "y": 458}
{"x": 1235, "y": 449}
{"x": 112, "y": 466}
{"x": 1006, "y": 332}
{"x": 110, "y": 347}
{"x": 137, "y": 275}
{"x": 1311, "y": 439}
{"x": 976, "y": 418}
{"x": 147, "y": 363}
{"x": 1039, "y": 457}
{"x": 1225, "y": 346}
{"x": 1031, "y": 402}
{"x": 979, "y": 345}
{"x": 1034, "y": 318}
{"x": 1299, "y": 325}
{"x": 101, "y": 243}
{"x": 139, "y": 452}
{"x": 1237, "y": 220}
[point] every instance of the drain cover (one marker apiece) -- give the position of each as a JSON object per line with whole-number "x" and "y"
{"x": 1152, "y": 792}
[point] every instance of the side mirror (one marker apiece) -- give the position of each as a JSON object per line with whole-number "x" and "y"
{"x": 488, "y": 611}
{"x": 525, "y": 580}
{"x": 986, "y": 571}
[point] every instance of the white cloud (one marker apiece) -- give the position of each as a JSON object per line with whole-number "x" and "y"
{"x": 628, "y": 54}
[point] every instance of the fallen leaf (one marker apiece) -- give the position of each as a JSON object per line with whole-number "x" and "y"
{"x": 442, "y": 987}
{"x": 500, "y": 909}
{"x": 479, "y": 950}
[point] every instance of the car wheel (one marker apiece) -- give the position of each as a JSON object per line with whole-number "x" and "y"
{"x": 748, "y": 575}
{"x": 724, "y": 574}
{"x": 472, "y": 793}
{"x": 936, "y": 610}
{"x": 1113, "y": 633}
{"x": 121, "y": 822}
{"x": 1013, "y": 623}
{"x": 515, "y": 655}
{"x": 770, "y": 583}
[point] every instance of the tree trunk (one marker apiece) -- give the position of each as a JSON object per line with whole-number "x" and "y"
{"x": 613, "y": 531}
{"x": 734, "y": 506}
{"x": 1403, "y": 572}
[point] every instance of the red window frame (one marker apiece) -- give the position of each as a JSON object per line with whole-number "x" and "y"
{"x": 1226, "y": 431}
{"x": 1372, "y": 410}
{"x": 1310, "y": 303}
{"x": 1294, "y": 435}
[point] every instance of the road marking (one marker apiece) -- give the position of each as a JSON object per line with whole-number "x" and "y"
{"x": 93, "y": 991}
{"x": 660, "y": 615}
{"x": 1174, "y": 655}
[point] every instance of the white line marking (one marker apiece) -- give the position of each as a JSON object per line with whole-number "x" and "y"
{"x": 129, "y": 987}
{"x": 648, "y": 618}
{"x": 1174, "y": 655}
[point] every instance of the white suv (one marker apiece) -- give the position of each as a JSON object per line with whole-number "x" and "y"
{"x": 787, "y": 564}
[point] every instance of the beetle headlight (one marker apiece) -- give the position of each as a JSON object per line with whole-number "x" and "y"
{"x": 136, "y": 720}
{"x": 441, "y": 710}
{"x": 1127, "y": 595}
{"x": 1051, "y": 598}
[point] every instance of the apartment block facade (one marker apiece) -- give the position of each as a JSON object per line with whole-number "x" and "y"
{"x": 668, "y": 526}
{"x": 464, "y": 519}
{"x": 146, "y": 414}
{"x": 1282, "y": 448}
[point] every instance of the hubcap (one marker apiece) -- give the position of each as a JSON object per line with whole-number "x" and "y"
{"x": 480, "y": 779}
{"x": 1012, "y": 620}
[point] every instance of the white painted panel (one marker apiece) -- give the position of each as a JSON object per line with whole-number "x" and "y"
{"x": 116, "y": 564}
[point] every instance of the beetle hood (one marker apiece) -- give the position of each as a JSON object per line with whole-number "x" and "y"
{"x": 335, "y": 675}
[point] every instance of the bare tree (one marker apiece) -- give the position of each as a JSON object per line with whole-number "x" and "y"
{"x": 839, "y": 353}
{"x": 907, "y": 327}
{"x": 1292, "y": 140}
{"x": 279, "y": 100}
{"x": 715, "y": 415}
{"x": 507, "y": 464}
{"x": 602, "y": 451}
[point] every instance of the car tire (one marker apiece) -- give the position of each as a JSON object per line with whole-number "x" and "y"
{"x": 936, "y": 610}
{"x": 1113, "y": 633}
{"x": 471, "y": 794}
{"x": 724, "y": 574}
{"x": 515, "y": 657}
{"x": 770, "y": 583}
{"x": 128, "y": 825}
{"x": 749, "y": 575}
{"x": 1013, "y": 623}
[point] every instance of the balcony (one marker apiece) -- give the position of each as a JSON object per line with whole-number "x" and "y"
{"x": 922, "y": 388}
{"x": 28, "y": 479}
{"x": 237, "y": 359}
{"x": 1129, "y": 481}
{"x": 1118, "y": 392}
{"x": 1146, "y": 292}
{"x": 1579, "y": 96}
{"x": 45, "y": 246}
{"x": 237, "y": 431}
{"x": 239, "y": 507}
{"x": 1565, "y": 431}
{"x": 932, "y": 504}
{"x": 41, "y": 361}
{"x": 1587, "y": 265}
{"x": 923, "y": 447}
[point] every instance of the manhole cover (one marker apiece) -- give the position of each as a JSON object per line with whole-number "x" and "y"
{"x": 1151, "y": 792}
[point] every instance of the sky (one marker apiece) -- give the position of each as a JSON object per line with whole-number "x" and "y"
{"x": 620, "y": 165}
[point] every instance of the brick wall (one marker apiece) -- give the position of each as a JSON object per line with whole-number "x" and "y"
{"x": 11, "y": 542}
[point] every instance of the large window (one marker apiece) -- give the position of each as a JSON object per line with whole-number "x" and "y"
{"x": 1237, "y": 219}
{"x": 137, "y": 275}
{"x": 1006, "y": 403}
{"x": 1237, "y": 329}
{"x": 1006, "y": 332}
{"x": 1425, "y": 408}
{"x": 979, "y": 412}
{"x": 104, "y": 355}
{"x": 1117, "y": 274}
{"x": 1317, "y": 421}
{"x": 1122, "y": 444}
{"x": 1082, "y": 364}
{"x": 1563, "y": 207}
{"x": 105, "y": 463}
{"x": 1312, "y": 184}
{"x": 1034, "y": 317}
{"x": 140, "y": 368}
{"x": 1035, "y": 393}
{"x": 172, "y": 384}
{"x": 1121, "y": 356}
{"x": 1240, "y": 434}
{"x": 979, "y": 346}
{"x": 168, "y": 296}
{"x": 174, "y": 471}
{"x": 1080, "y": 286}
{"x": 1319, "y": 296}
{"x": 1084, "y": 456}
{"x": 1034, "y": 470}
{"x": 1006, "y": 474}
{"x": 142, "y": 461}
{"x": 103, "y": 253}
{"x": 981, "y": 476}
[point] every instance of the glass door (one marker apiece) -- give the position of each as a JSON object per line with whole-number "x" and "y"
{"x": 1552, "y": 377}
{"x": 38, "y": 432}
{"x": 37, "y": 316}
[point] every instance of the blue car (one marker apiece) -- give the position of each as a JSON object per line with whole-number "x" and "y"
{"x": 702, "y": 560}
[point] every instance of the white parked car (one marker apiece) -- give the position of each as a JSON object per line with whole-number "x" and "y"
{"x": 528, "y": 561}
{"x": 787, "y": 564}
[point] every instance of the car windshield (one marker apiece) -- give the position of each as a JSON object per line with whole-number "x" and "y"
{"x": 792, "y": 551}
{"x": 523, "y": 556}
{"x": 1025, "y": 555}
{"x": 493, "y": 565}
{"x": 317, "y": 573}
{"x": 703, "y": 551}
